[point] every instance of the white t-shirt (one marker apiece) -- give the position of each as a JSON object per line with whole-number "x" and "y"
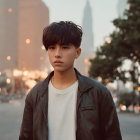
{"x": 62, "y": 112}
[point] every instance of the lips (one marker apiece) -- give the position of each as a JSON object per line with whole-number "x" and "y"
{"x": 57, "y": 62}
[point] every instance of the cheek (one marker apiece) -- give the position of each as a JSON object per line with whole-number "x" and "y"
{"x": 70, "y": 57}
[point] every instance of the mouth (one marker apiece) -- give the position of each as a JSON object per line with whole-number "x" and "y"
{"x": 57, "y": 62}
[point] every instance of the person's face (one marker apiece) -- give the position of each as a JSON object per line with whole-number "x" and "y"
{"x": 62, "y": 56}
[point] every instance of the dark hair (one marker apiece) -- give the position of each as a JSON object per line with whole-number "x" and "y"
{"x": 63, "y": 33}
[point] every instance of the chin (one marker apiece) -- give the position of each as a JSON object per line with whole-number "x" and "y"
{"x": 61, "y": 69}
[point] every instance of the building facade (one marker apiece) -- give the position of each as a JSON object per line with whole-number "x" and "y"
{"x": 8, "y": 34}
{"x": 21, "y": 34}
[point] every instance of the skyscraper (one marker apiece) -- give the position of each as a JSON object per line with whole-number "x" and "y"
{"x": 87, "y": 44}
{"x": 21, "y": 34}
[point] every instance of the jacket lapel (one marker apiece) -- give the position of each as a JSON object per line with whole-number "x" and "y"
{"x": 44, "y": 97}
{"x": 83, "y": 86}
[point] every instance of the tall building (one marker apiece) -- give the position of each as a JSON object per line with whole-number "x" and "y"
{"x": 87, "y": 44}
{"x": 21, "y": 34}
{"x": 122, "y": 5}
{"x": 8, "y": 34}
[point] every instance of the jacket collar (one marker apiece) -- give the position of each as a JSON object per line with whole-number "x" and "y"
{"x": 82, "y": 81}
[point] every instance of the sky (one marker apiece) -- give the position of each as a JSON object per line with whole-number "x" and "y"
{"x": 103, "y": 13}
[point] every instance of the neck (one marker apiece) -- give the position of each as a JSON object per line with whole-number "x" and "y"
{"x": 62, "y": 80}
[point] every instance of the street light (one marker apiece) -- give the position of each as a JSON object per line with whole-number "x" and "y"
{"x": 10, "y": 10}
{"x": 42, "y": 47}
{"x": 108, "y": 41}
{"x": 28, "y": 41}
{"x": 8, "y": 80}
{"x": 17, "y": 73}
{"x": 138, "y": 88}
{"x": 8, "y": 58}
{"x": 86, "y": 61}
{"x": 99, "y": 78}
{"x": 25, "y": 73}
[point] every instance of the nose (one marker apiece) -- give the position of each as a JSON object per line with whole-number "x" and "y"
{"x": 58, "y": 52}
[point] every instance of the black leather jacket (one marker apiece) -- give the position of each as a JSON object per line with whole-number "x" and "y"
{"x": 96, "y": 114}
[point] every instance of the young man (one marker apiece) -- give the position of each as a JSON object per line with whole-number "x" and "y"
{"x": 68, "y": 105}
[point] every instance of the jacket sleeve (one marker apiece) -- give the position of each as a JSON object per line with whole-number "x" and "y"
{"x": 27, "y": 121}
{"x": 109, "y": 120}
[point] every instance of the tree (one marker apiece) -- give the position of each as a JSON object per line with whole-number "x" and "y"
{"x": 124, "y": 45}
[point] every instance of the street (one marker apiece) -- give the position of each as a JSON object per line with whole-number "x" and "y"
{"x": 10, "y": 119}
{"x": 130, "y": 126}
{"x": 11, "y": 116}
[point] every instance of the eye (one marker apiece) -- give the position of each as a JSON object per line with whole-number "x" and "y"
{"x": 65, "y": 47}
{"x": 51, "y": 47}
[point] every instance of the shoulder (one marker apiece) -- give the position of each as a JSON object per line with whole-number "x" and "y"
{"x": 94, "y": 83}
{"x": 40, "y": 88}
{"x": 35, "y": 88}
{"x": 96, "y": 88}
{"x": 33, "y": 94}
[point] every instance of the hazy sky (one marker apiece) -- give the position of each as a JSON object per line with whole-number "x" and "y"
{"x": 103, "y": 12}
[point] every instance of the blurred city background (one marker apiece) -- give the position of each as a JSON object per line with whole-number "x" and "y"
{"x": 110, "y": 54}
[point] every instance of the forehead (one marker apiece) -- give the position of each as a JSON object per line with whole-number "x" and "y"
{"x": 62, "y": 45}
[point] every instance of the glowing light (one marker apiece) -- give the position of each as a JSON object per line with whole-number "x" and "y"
{"x": 138, "y": 107}
{"x": 8, "y": 58}
{"x": 99, "y": 78}
{"x": 8, "y": 80}
{"x": 10, "y": 10}
{"x": 0, "y": 73}
{"x": 30, "y": 83}
{"x": 17, "y": 72}
{"x": 10, "y": 101}
{"x": 25, "y": 73}
{"x": 28, "y": 41}
{"x": 123, "y": 108}
{"x": 0, "y": 89}
{"x": 41, "y": 58}
{"x": 108, "y": 41}
{"x": 138, "y": 88}
{"x": 43, "y": 47}
{"x": 85, "y": 60}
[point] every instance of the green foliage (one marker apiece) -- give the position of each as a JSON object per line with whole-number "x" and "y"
{"x": 124, "y": 45}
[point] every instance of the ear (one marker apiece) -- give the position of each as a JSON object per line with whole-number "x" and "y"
{"x": 78, "y": 52}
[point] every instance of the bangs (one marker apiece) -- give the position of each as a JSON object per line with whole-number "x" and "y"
{"x": 57, "y": 36}
{"x": 62, "y": 33}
